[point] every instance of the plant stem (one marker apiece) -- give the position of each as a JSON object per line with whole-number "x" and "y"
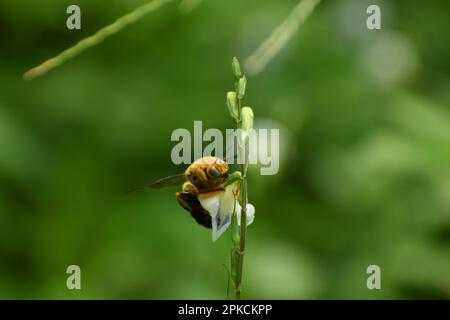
{"x": 95, "y": 39}
{"x": 271, "y": 46}
{"x": 243, "y": 116}
{"x": 243, "y": 229}
{"x": 239, "y": 248}
{"x": 187, "y": 6}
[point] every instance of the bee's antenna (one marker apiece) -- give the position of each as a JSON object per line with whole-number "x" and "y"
{"x": 132, "y": 191}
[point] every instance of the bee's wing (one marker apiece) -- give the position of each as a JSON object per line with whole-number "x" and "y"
{"x": 161, "y": 183}
{"x": 167, "y": 181}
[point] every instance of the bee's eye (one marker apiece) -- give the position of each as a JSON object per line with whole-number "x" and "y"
{"x": 215, "y": 172}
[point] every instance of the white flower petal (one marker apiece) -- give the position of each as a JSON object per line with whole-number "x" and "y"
{"x": 250, "y": 213}
{"x": 210, "y": 202}
{"x": 220, "y": 205}
{"x": 227, "y": 202}
{"x": 219, "y": 225}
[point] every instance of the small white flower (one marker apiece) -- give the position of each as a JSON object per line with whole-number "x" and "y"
{"x": 250, "y": 213}
{"x": 221, "y": 204}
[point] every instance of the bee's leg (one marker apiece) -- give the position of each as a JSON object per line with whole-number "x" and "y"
{"x": 190, "y": 188}
{"x": 185, "y": 199}
{"x": 190, "y": 202}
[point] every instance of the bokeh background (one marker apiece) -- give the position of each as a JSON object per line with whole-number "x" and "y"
{"x": 365, "y": 164}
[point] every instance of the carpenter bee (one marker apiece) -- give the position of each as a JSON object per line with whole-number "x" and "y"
{"x": 202, "y": 180}
{"x": 209, "y": 193}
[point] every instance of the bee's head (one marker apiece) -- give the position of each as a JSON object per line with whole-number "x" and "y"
{"x": 218, "y": 170}
{"x": 207, "y": 172}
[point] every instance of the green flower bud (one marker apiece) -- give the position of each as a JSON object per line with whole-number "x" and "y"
{"x": 236, "y": 235}
{"x": 241, "y": 84}
{"x": 236, "y": 67}
{"x": 247, "y": 118}
{"x": 247, "y": 123}
{"x": 234, "y": 266}
{"x": 232, "y": 104}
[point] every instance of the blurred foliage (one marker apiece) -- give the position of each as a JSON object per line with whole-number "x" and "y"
{"x": 365, "y": 168}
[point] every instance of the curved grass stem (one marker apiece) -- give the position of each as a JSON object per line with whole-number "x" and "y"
{"x": 95, "y": 39}
{"x": 270, "y": 47}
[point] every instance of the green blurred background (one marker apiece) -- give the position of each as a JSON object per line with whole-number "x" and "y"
{"x": 365, "y": 164}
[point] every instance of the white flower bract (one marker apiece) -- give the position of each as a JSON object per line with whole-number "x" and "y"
{"x": 221, "y": 205}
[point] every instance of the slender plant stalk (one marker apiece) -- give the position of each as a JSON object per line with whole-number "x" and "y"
{"x": 95, "y": 39}
{"x": 243, "y": 230}
{"x": 186, "y": 6}
{"x": 244, "y": 119}
{"x": 280, "y": 36}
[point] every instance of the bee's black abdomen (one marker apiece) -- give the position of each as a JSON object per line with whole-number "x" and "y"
{"x": 190, "y": 202}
